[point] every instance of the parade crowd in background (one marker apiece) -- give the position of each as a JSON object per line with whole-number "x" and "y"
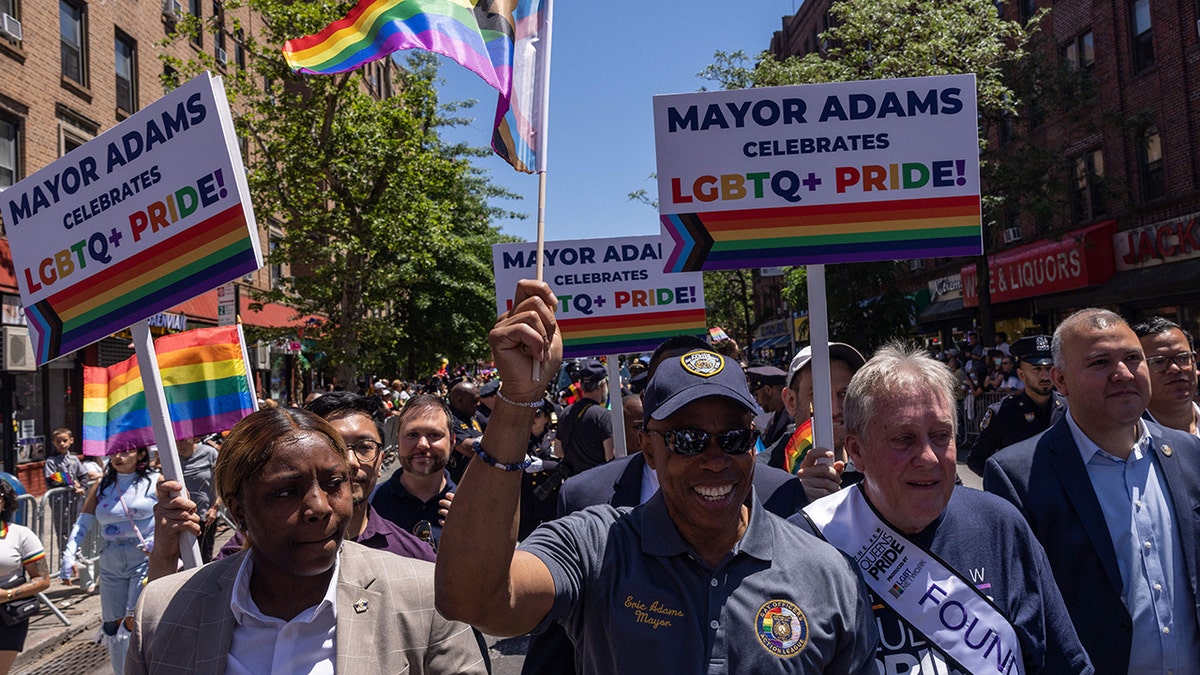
{"x": 722, "y": 529}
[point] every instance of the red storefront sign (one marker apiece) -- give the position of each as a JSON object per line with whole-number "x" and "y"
{"x": 1079, "y": 259}
{"x": 1158, "y": 243}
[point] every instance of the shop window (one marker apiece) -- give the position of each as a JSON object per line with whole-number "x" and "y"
{"x": 1150, "y": 155}
{"x": 1140, "y": 27}
{"x": 1087, "y": 199}
{"x": 10, "y": 152}
{"x": 72, "y": 30}
{"x": 126, "y": 70}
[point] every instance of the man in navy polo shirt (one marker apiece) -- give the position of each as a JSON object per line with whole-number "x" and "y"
{"x": 698, "y": 579}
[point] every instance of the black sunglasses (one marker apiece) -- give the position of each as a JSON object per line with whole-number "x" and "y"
{"x": 690, "y": 442}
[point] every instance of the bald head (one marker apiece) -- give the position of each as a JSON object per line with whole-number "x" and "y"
{"x": 464, "y": 397}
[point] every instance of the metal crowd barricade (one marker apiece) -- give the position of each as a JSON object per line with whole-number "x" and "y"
{"x": 976, "y": 407}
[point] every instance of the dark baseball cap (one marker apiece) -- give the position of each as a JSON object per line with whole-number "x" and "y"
{"x": 695, "y": 375}
{"x": 489, "y": 388}
{"x": 592, "y": 371}
{"x": 1034, "y": 350}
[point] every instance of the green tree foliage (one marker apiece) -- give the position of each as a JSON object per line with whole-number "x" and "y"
{"x": 882, "y": 39}
{"x": 385, "y": 226}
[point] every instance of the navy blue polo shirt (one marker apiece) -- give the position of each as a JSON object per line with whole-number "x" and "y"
{"x": 395, "y": 503}
{"x": 634, "y": 597}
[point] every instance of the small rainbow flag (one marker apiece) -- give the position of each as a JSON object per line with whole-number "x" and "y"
{"x": 60, "y": 478}
{"x": 797, "y": 447}
{"x": 505, "y": 42}
{"x": 205, "y": 379}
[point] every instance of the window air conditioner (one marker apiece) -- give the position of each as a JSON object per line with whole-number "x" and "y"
{"x": 10, "y": 27}
{"x": 172, "y": 10}
{"x": 915, "y": 265}
{"x": 1012, "y": 234}
{"x": 222, "y": 58}
{"x": 18, "y": 350}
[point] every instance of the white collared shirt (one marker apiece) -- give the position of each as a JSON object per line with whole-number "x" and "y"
{"x": 1195, "y": 411}
{"x": 649, "y": 484}
{"x": 265, "y": 644}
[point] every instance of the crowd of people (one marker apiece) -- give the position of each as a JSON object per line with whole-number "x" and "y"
{"x": 510, "y": 512}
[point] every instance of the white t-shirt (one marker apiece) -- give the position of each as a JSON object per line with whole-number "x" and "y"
{"x": 18, "y": 546}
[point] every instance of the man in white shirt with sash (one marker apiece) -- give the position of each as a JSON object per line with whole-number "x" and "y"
{"x": 959, "y": 583}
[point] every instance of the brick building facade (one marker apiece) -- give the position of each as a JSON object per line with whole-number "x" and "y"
{"x": 69, "y": 70}
{"x": 1134, "y": 195}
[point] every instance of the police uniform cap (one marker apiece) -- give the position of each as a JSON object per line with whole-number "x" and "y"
{"x": 760, "y": 376}
{"x": 1033, "y": 349}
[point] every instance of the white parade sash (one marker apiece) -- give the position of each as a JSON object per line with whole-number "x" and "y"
{"x": 934, "y": 599}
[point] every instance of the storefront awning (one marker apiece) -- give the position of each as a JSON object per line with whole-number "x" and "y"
{"x": 943, "y": 310}
{"x": 767, "y": 343}
{"x": 1149, "y": 287}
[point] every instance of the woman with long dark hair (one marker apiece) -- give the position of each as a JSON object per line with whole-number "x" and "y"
{"x": 122, "y": 503}
{"x": 23, "y": 574}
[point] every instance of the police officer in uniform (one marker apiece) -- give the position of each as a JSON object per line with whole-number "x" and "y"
{"x": 766, "y": 386}
{"x": 1025, "y": 413}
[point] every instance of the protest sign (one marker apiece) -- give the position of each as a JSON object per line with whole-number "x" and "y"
{"x": 816, "y": 174}
{"x": 147, "y": 215}
{"x": 613, "y": 295}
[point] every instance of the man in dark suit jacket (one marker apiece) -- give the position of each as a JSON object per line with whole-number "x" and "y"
{"x": 620, "y": 483}
{"x": 1114, "y": 500}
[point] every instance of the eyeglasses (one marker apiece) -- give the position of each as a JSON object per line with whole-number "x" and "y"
{"x": 366, "y": 450}
{"x": 690, "y": 442}
{"x": 1159, "y": 364}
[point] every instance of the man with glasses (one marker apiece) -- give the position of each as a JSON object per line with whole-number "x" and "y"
{"x": 1171, "y": 357}
{"x": 700, "y": 565}
{"x": 1024, "y": 414}
{"x": 1112, "y": 498}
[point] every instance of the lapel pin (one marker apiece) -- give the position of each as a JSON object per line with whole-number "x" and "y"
{"x": 360, "y": 606}
{"x": 1166, "y": 450}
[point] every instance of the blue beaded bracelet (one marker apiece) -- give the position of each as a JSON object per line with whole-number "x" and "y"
{"x": 503, "y": 466}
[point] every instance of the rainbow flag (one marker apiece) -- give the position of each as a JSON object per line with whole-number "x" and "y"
{"x": 206, "y": 382}
{"x": 797, "y": 447}
{"x": 505, "y": 42}
{"x": 60, "y": 478}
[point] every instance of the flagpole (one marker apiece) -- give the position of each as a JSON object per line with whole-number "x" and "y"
{"x": 164, "y": 436}
{"x": 542, "y": 117}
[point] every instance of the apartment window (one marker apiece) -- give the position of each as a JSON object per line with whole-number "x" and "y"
{"x": 219, "y": 33}
{"x": 126, "y": 68}
{"x": 1087, "y": 199}
{"x": 9, "y": 152}
{"x": 72, "y": 30}
{"x": 1079, "y": 54}
{"x": 194, "y": 8}
{"x": 239, "y": 48}
{"x": 1152, "y": 165}
{"x": 276, "y": 268}
{"x": 170, "y": 79}
{"x": 1143, "y": 43}
{"x": 1026, "y": 9}
{"x": 9, "y": 7}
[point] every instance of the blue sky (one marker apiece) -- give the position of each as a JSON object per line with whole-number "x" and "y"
{"x": 606, "y": 69}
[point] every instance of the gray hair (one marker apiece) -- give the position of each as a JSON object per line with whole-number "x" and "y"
{"x": 895, "y": 369}
{"x": 1090, "y": 317}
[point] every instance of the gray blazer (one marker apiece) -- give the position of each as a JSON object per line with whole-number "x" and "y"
{"x": 184, "y": 624}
